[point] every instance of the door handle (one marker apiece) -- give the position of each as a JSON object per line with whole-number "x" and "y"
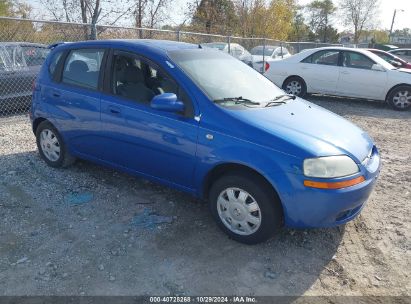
{"x": 114, "y": 110}
{"x": 345, "y": 72}
{"x": 56, "y": 94}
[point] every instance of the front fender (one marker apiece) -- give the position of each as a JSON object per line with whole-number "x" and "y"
{"x": 224, "y": 149}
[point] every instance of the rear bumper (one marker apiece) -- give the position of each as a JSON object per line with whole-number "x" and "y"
{"x": 313, "y": 208}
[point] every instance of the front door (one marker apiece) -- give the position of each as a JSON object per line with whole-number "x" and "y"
{"x": 158, "y": 144}
{"x": 357, "y": 79}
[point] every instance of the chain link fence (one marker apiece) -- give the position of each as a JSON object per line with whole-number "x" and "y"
{"x": 23, "y": 48}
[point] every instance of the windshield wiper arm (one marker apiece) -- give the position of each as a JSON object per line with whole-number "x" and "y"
{"x": 238, "y": 100}
{"x": 277, "y": 101}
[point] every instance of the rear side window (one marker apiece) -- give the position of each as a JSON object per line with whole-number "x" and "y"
{"x": 82, "y": 68}
{"x": 34, "y": 55}
{"x": 328, "y": 57}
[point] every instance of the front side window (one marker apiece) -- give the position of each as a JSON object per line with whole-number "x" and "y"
{"x": 327, "y": 57}
{"x": 82, "y": 68}
{"x": 356, "y": 60}
{"x": 139, "y": 81}
{"x": 221, "y": 76}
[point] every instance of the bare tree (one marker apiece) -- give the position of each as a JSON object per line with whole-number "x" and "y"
{"x": 358, "y": 14}
{"x": 88, "y": 11}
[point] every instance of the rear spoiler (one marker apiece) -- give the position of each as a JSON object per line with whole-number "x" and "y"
{"x": 52, "y": 46}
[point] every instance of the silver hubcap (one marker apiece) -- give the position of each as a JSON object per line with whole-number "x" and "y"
{"x": 402, "y": 99}
{"x": 239, "y": 211}
{"x": 50, "y": 145}
{"x": 294, "y": 87}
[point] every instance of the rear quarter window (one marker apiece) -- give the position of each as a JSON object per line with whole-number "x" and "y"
{"x": 53, "y": 62}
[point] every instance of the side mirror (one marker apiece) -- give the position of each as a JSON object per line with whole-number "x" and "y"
{"x": 167, "y": 102}
{"x": 377, "y": 67}
{"x": 396, "y": 63}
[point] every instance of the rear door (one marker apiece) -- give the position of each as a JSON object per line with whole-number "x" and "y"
{"x": 357, "y": 79}
{"x": 155, "y": 143}
{"x": 320, "y": 71}
{"x": 74, "y": 98}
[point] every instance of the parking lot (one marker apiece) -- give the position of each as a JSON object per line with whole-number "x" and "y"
{"x": 88, "y": 230}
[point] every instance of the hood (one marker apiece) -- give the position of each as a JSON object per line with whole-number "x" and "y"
{"x": 314, "y": 129}
{"x": 405, "y": 70}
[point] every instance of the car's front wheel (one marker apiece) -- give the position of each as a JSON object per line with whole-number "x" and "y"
{"x": 51, "y": 146}
{"x": 400, "y": 98}
{"x": 245, "y": 208}
{"x": 296, "y": 86}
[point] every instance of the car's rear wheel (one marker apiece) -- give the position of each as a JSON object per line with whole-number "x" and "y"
{"x": 245, "y": 208}
{"x": 295, "y": 86}
{"x": 51, "y": 146}
{"x": 400, "y": 98}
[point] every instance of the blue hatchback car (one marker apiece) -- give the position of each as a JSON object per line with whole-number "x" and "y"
{"x": 200, "y": 121}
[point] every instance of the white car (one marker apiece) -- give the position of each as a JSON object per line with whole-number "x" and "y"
{"x": 343, "y": 72}
{"x": 261, "y": 54}
{"x": 236, "y": 50}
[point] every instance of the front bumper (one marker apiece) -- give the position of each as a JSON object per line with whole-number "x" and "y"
{"x": 310, "y": 207}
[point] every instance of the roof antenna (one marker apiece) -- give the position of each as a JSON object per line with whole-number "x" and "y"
{"x": 199, "y": 46}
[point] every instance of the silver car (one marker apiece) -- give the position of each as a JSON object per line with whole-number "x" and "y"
{"x": 20, "y": 63}
{"x": 402, "y": 53}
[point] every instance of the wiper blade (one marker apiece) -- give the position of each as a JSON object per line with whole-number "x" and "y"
{"x": 280, "y": 99}
{"x": 238, "y": 100}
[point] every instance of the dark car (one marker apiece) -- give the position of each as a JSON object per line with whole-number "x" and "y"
{"x": 392, "y": 59}
{"x": 20, "y": 63}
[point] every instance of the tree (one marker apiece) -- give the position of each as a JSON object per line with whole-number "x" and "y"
{"x": 150, "y": 13}
{"x": 87, "y": 11}
{"x": 11, "y": 30}
{"x": 214, "y": 16}
{"x": 320, "y": 16}
{"x": 358, "y": 14}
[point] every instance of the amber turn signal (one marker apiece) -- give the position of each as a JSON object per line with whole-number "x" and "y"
{"x": 334, "y": 185}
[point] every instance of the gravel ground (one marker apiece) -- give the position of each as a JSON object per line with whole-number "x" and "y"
{"x": 88, "y": 230}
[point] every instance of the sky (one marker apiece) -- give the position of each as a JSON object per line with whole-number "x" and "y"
{"x": 383, "y": 21}
{"x": 385, "y": 13}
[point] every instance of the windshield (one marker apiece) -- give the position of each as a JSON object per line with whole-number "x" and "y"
{"x": 259, "y": 51}
{"x": 221, "y": 76}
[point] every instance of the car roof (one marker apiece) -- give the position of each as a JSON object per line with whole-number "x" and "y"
{"x": 401, "y": 49}
{"x": 159, "y": 45}
{"x": 13, "y": 43}
{"x": 268, "y": 46}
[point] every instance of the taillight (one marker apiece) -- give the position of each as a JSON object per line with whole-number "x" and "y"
{"x": 266, "y": 67}
{"x": 33, "y": 85}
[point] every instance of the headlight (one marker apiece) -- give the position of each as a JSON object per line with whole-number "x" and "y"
{"x": 330, "y": 166}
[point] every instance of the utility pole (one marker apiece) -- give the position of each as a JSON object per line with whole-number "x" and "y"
{"x": 392, "y": 23}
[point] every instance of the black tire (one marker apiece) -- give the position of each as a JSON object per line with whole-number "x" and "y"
{"x": 295, "y": 79}
{"x": 271, "y": 213}
{"x": 395, "y": 101}
{"x": 64, "y": 158}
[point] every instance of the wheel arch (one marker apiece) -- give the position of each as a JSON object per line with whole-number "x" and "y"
{"x": 394, "y": 87}
{"x": 37, "y": 122}
{"x": 293, "y": 76}
{"x": 226, "y": 168}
